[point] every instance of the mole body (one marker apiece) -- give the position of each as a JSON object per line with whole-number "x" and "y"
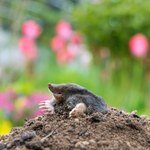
{"x": 76, "y": 98}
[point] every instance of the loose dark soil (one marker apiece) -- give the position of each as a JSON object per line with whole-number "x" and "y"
{"x": 114, "y": 130}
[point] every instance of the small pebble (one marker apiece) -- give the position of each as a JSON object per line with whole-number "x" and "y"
{"x": 47, "y": 129}
{"x": 77, "y": 120}
{"x": 17, "y": 141}
{"x": 70, "y": 129}
{"x": 9, "y": 145}
{"x": 34, "y": 145}
{"x": 92, "y": 141}
{"x": 82, "y": 144}
{"x": 1, "y": 146}
{"x": 38, "y": 125}
{"x": 28, "y": 135}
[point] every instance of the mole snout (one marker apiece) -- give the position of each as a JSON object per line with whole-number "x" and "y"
{"x": 51, "y": 87}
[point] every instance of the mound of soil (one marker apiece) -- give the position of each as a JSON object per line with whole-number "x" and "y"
{"x": 113, "y": 130}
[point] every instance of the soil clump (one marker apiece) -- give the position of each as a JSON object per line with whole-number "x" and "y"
{"x": 113, "y": 130}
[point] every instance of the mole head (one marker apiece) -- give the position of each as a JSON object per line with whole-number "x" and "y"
{"x": 63, "y": 91}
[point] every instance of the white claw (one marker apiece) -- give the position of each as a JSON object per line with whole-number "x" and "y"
{"x": 46, "y": 106}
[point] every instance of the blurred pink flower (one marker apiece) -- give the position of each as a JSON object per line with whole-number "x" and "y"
{"x": 34, "y": 101}
{"x": 8, "y": 106}
{"x": 62, "y": 57}
{"x": 36, "y": 113}
{"x": 63, "y": 29}
{"x": 73, "y": 50}
{"x": 57, "y": 43}
{"x": 138, "y": 45}
{"x": 35, "y": 98}
{"x": 76, "y": 38}
{"x": 6, "y": 101}
{"x": 28, "y": 48}
{"x": 31, "y": 29}
{"x": 2, "y": 98}
{"x": 10, "y": 95}
{"x": 67, "y": 44}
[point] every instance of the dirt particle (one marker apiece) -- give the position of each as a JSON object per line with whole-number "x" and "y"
{"x": 92, "y": 141}
{"x": 35, "y": 145}
{"x": 9, "y": 145}
{"x": 47, "y": 129}
{"x": 96, "y": 117}
{"x": 70, "y": 129}
{"x": 37, "y": 125}
{"x": 82, "y": 144}
{"x": 77, "y": 120}
{"x": 82, "y": 132}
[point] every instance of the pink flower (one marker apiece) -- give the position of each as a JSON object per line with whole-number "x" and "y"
{"x": 62, "y": 57}
{"x": 34, "y": 101}
{"x": 66, "y": 43}
{"x": 57, "y": 43}
{"x": 37, "y": 112}
{"x": 73, "y": 50}
{"x": 2, "y": 99}
{"x": 28, "y": 48}
{"x": 6, "y": 102}
{"x": 138, "y": 45}
{"x": 31, "y": 29}
{"x": 63, "y": 29}
{"x": 36, "y": 98}
{"x": 65, "y": 56}
{"x": 76, "y": 38}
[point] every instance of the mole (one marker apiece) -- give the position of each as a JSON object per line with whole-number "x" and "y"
{"x": 77, "y": 99}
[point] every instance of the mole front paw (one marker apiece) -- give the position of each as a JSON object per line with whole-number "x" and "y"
{"x": 79, "y": 110}
{"x": 47, "y": 107}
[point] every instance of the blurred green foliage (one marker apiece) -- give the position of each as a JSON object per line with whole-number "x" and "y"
{"x": 45, "y": 12}
{"x": 111, "y": 23}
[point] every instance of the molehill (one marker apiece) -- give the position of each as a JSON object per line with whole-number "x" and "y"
{"x": 113, "y": 130}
